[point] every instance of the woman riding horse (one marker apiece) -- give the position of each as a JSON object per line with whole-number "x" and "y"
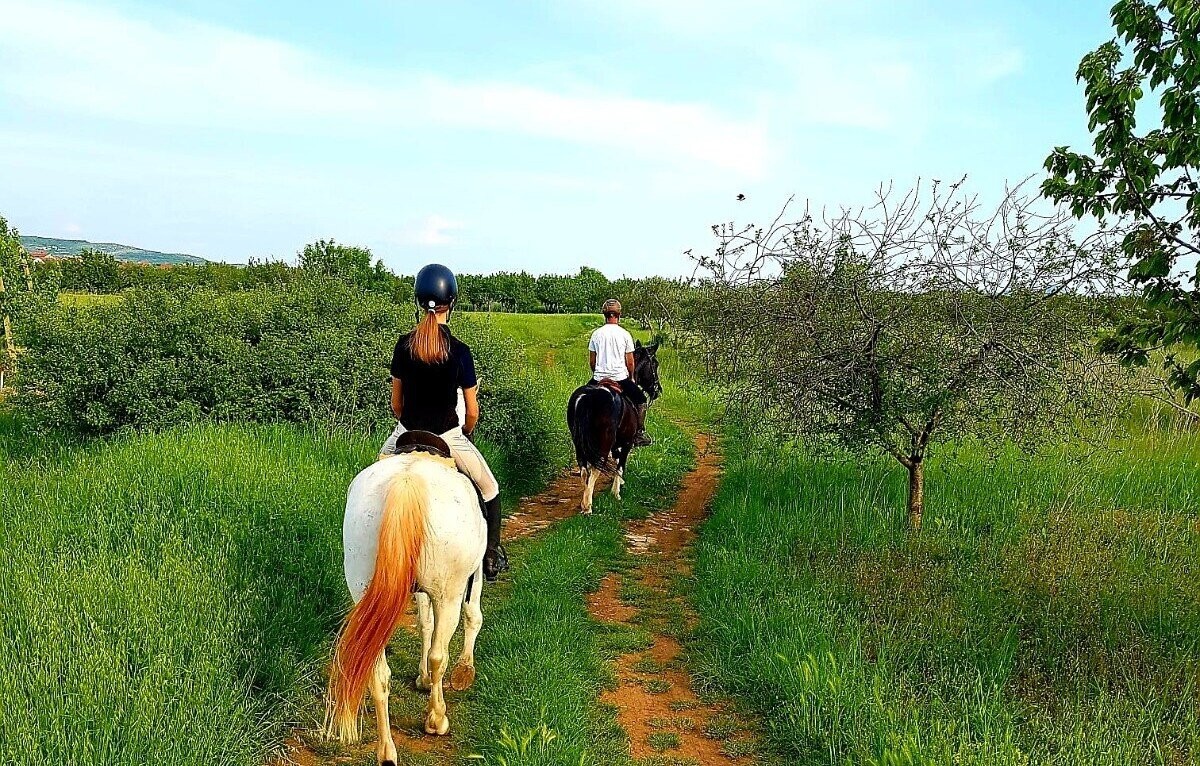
{"x": 430, "y": 367}
{"x": 413, "y": 526}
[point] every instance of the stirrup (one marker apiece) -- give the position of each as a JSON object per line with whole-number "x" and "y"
{"x": 498, "y": 558}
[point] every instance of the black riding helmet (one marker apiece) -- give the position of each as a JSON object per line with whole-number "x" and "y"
{"x": 435, "y": 286}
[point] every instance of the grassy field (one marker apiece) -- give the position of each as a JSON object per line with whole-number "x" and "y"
{"x": 1048, "y": 614}
{"x": 543, "y": 660}
{"x": 171, "y": 596}
{"x": 165, "y": 595}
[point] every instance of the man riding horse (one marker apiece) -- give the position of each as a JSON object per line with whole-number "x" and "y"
{"x": 610, "y": 354}
{"x": 607, "y": 416}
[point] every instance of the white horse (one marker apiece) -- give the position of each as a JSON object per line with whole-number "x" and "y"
{"x": 412, "y": 523}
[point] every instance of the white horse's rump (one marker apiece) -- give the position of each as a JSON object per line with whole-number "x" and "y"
{"x": 412, "y": 520}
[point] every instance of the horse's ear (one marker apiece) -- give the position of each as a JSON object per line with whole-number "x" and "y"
{"x": 653, "y": 348}
{"x": 637, "y": 344}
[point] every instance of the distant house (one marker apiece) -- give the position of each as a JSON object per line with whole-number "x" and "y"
{"x": 41, "y": 255}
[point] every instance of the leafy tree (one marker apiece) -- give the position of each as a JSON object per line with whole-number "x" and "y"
{"x": 652, "y": 301}
{"x": 592, "y": 288}
{"x": 14, "y": 270}
{"x": 93, "y": 271}
{"x": 554, "y": 292}
{"x": 345, "y": 263}
{"x": 1148, "y": 179}
{"x": 918, "y": 321}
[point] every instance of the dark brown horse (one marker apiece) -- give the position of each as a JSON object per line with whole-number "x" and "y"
{"x": 603, "y": 424}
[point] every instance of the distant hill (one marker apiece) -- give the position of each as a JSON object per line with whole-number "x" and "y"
{"x": 69, "y": 248}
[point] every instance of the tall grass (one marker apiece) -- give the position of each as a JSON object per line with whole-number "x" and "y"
{"x": 163, "y": 595}
{"x": 1048, "y": 613}
{"x": 542, "y": 659}
{"x": 170, "y": 597}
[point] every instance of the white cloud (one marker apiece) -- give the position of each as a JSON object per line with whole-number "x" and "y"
{"x": 722, "y": 21}
{"x": 434, "y": 231}
{"x": 854, "y": 64}
{"x": 997, "y": 64}
{"x": 179, "y": 72}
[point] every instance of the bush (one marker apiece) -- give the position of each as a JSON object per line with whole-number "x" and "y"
{"x": 155, "y": 359}
{"x": 519, "y": 414}
{"x": 316, "y": 351}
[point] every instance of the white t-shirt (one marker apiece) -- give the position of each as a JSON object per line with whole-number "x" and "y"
{"x": 611, "y": 343}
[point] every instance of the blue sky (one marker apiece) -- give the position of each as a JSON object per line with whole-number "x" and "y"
{"x": 488, "y": 136}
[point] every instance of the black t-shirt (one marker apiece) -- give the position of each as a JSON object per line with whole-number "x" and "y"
{"x": 430, "y": 391}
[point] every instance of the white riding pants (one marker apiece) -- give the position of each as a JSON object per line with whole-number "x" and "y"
{"x": 466, "y": 455}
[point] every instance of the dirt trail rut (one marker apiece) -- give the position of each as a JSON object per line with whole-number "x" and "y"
{"x": 655, "y": 698}
{"x": 657, "y": 704}
{"x": 534, "y": 514}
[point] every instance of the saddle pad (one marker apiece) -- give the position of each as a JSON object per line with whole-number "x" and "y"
{"x": 422, "y": 441}
{"x": 610, "y": 384}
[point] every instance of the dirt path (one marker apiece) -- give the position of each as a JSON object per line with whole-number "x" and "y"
{"x": 306, "y": 748}
{"x": 656, "y": 701}
{"x": 655, "y": 698}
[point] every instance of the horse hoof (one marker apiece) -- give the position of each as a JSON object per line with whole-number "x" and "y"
{"x": 423, "y": 684}
{"x": 437, "y": 724}
{"x": 462, "y": 676}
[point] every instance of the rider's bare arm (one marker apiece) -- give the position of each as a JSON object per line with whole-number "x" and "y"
{"x": 630, "y": 364}
{"x": 397, "y": 398}
{"x": 592, "y": 360}
{"x": 471, "y": 399}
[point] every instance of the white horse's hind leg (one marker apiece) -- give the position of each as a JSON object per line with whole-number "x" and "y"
{"x": 589, "y": 488}
{"x": 425, "y": 622}
{"x": 463, "y": 674}
{"x": 380, "y": 690}
{"x": 445, "y": 622}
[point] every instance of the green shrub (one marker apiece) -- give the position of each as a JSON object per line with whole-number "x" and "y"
{"x": 314, "y": 352}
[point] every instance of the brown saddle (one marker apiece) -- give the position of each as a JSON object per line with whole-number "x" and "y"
{"x": 610, "y": 384}
{"x": 422, "y": 441}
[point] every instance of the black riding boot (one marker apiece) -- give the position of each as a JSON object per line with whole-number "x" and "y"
{"x": 642, "y": 439}
{"x": 495, "y": 560}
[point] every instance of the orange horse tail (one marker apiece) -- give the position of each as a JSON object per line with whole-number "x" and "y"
{"x": 373, "y": 619}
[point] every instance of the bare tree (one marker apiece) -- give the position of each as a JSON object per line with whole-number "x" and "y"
{"x": 916, "y": 320}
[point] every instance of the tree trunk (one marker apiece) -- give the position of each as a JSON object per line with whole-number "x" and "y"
{"x": 916, "y": 494}
{"x": 8, "y": 363}
{"x": 9, "y": 345}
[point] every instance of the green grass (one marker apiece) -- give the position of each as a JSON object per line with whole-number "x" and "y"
{"x": 661, "y": 741}
{"x": 181, "y": 583}
{"x": 544, "y": 335}
{"x": 172, "y": 597}
{"x": 1047, "y": 614}
{"x": 720, "y": 727}
{"x": 542, "y": 659}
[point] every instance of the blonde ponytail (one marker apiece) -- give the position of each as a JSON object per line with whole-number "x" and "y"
{"x": 427, "y": 342}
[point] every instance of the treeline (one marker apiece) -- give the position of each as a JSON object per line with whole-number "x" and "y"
{"x": 522, "y": 292}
